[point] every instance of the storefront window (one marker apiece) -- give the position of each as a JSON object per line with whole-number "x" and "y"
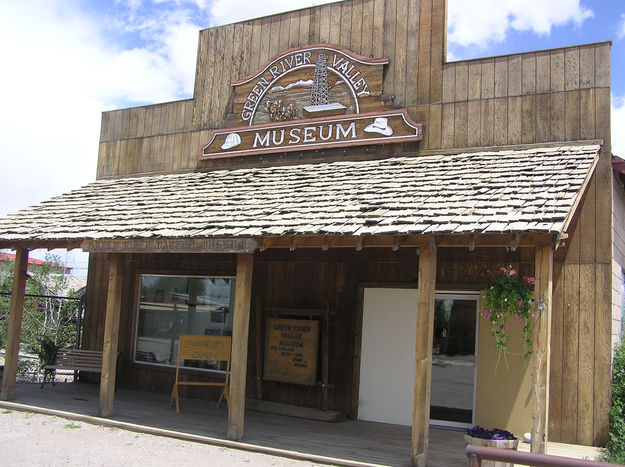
{"x": 173, "y": 305}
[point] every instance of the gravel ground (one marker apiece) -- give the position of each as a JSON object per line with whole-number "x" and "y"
{"x": 37, "y": 440}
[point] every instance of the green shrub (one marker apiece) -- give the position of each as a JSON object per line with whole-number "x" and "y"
{"x": 615, "y": 449}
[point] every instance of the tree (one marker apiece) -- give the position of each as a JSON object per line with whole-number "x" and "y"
{"x": 46, "y": 318}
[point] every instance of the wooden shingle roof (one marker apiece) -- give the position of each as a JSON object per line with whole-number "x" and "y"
{"x": 515, "y": 191}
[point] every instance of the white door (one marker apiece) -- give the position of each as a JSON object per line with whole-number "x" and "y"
{"x": 389, "y": 325}
{"x": 387, "y": 360}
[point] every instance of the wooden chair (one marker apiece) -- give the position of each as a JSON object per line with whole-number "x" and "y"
{"x": 196, "y": 347}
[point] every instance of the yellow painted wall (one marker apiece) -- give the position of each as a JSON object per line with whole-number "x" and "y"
{"x": 504, "y": 397}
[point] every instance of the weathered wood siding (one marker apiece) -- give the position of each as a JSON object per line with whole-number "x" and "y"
{"x": 153, "y": 138}
{"x": 169, "y": 137}
{"x": 535, "y": 97}
{"x": 549, "y": 96}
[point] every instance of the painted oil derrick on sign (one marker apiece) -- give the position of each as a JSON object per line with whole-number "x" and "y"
{"x": 319, "y": 105}
{"x": 310, "y": 98}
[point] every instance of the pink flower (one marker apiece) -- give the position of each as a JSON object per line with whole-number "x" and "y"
{"x": 530, "y": 280}
{"x": 513, "y": 272}
{"x": 519, "y": 303}
{"x": 487, "y": 314}
{"x": 503, "y": 269}
{"x": 505, "y": 326}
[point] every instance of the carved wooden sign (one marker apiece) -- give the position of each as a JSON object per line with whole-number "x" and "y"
{"x": 311, "y": 98}
{"x": 158, "y": 245}
{"x": 291, "y": 352}
{"x": 298, "y": 135}
{"x": 296, "y": 76}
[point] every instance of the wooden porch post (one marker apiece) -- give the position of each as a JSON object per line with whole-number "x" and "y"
{"x": 240, "y": 331}
{"x": 423, "y": 355}
{"x": 14, "y": 332}
{"x": 111, "y": 338}
{"x": 542, "y": 347}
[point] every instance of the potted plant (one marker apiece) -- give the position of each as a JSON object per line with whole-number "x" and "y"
{"x": 509, "y": 298}
{"x": 47, "y": 353}
{"x": 495, "y": 438}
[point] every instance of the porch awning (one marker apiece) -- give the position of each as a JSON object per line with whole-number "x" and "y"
{"x": 503, "y": 192}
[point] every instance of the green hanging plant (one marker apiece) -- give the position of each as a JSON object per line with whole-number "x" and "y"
{"x": 509, "y": 298}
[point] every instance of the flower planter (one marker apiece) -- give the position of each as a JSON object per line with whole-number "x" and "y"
{"x": 493, "y": 443}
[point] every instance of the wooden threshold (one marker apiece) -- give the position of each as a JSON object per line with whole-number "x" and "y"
{"x": 308, "y": 413}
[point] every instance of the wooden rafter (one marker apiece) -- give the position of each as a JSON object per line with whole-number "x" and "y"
{"x": 394, "y": 242}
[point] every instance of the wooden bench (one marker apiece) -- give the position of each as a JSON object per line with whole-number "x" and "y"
{"x": 73, "y": 359}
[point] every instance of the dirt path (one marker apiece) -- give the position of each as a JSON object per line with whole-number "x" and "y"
{"x": 37, "y": 440}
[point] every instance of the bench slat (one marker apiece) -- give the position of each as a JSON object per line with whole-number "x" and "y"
{"x": 75, "y": 359}
{"x": 79, "y": 359}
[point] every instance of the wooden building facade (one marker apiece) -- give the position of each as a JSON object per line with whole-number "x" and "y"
{"x": 524, "y": 106}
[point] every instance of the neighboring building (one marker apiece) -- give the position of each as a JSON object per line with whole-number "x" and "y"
{"x": 333, "y": 173}
{"x": 37, "y": 263}
{"x": 69, "y": 283}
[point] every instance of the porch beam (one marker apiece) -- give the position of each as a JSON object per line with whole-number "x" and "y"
{"x": 240, "y": 332}
{"x": 406, "y": 241}
{"x": 542, "y": 348}
{"x": 39, "y": 244}
{"x": 423, "y": 355}
{"x": 14, "y": 332}
{"x": 111, "y": 338}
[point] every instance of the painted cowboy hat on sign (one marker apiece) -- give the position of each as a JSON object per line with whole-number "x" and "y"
{"x": 379, "y": 125}
{"x": 232, "y": 140}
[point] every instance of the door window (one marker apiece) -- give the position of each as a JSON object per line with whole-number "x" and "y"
{"x": 453, "y": 358}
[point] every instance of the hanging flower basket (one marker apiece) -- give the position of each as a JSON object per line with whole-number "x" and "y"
{"x": 509, "y": 298}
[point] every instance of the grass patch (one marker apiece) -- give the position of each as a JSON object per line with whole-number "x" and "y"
{"x": 6, "y": 412}
{"x": 72, "y": 426}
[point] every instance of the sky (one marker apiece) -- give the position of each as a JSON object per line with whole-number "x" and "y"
{"x": 64, "y": 62}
